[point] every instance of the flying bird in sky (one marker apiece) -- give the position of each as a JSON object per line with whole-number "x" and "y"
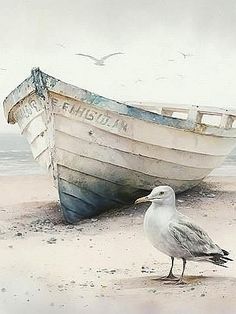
{"x": 61, "y": 45}
{"x": 185, "y": 55}
{"x": 161, "y": 78}
{"x": 3, "y": 69}
{"x": 101, "y": 60}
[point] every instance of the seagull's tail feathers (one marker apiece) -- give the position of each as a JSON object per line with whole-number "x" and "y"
{"x": 219, "y": 259}
{"x": 225, "y": 252}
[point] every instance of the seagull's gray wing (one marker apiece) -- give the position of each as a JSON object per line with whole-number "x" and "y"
{"x": 110, "y": 55}
{"x": 88, "y": 56}
{"x": 193, "y": 239}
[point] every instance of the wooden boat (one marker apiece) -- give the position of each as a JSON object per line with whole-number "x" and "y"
{"x": 104, "y": 154}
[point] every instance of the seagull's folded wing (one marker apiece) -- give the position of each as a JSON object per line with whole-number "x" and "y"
{"x": 194, "y": 240}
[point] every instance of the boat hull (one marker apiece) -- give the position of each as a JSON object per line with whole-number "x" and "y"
{"x": 103, "y": 154}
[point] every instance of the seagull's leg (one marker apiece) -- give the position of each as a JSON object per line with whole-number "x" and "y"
{"x": 181, "y": 281}
{"x": 170, "y": 275}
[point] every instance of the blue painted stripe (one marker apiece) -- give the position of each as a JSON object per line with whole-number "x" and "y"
{"x": 114, "y": 191}
{"x": 79, "y": 203}
{"x": 98, "y": 188}
{"x": 74, "y": 209}
{"x": 92, "y": 194}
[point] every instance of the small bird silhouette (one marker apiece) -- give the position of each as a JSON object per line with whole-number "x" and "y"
{"x": 101, "y": 60}
{"x": 171, "y": 60}
{"x": 138, "y": 81}
{"x": 61, "y": 45}
{"x": 161, "y": 78}
{"x": 3, "y": 69}
{"x": 185, "y": 55}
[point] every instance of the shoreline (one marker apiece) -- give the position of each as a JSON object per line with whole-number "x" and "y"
{"x": 106, "y": 263}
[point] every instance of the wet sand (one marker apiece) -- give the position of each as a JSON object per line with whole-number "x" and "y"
{"x": 107, "y": 264}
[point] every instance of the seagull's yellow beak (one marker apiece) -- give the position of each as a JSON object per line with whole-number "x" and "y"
{"x": 142, "y": 200}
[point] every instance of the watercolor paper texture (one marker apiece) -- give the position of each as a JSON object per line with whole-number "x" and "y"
{"x": 163, "y": 51}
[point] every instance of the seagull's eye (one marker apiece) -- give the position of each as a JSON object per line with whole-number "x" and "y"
{"x": 161, "y": 193}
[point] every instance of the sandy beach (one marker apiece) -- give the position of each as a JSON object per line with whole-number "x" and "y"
{"x": 106, "y": 263}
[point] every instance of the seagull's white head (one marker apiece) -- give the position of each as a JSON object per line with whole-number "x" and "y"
{"x": 161, "y": 195}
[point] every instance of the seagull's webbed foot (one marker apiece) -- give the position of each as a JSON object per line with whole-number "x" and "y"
{"x": 177, "y": 282}
{"x": 169, "y": 277}
{"x": 180, "y": 282}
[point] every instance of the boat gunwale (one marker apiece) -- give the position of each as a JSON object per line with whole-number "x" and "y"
{"x": 39, "y": 81}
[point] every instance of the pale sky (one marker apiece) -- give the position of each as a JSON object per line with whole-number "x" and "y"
{"x": 48, "y": 33}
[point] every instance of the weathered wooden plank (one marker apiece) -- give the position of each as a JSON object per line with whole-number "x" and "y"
{"x": 35, "y": 129}
{"x": 102, "y": 137}
{"x": 117, "y": 174}
{"x": 43, "y": 159}
{"x": 154, "y": 167}
{"x": 39, "y": 145}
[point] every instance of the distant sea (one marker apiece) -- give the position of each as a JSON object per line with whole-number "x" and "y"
{"x": 16, "y": 159}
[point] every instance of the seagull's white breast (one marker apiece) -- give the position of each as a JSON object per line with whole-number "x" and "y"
{"x": 156, "y": 228}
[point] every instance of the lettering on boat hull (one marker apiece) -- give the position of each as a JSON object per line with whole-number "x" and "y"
{"x": 85, "y": 112}
{"x": 29, "y": 109}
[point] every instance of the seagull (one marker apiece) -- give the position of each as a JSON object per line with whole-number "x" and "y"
{"x": 3, "y": 69}
{"x": 101, "y": 60}
{"x": 185, "y": 55}
{"x": 138, "y": 81}
{"x": 175, "y": 235}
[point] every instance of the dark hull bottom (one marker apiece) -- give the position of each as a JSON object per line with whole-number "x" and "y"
{"x": 80, "y": 203}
